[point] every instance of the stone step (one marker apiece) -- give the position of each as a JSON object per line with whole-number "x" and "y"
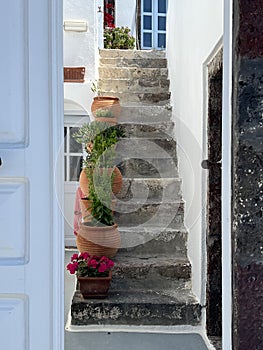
{"x": 134, "y": 85}
{"x": 150, "y": 272}
{"x": 149, "y": 97}
{"x": 133, "y": 62}
{"x": 144, "y": 148}
{"x": 137, "y": 308}
{"x": 162, "y": 215}
{"x": 160, "y": 130}
{"x": 145, "y": 113}
{"x": 132, "y": 73}
{"x": 143, "y": 54}
{"x": 148, "y": 167}
{"x": 142, "y": 241}
{"x": 140, "y": 189}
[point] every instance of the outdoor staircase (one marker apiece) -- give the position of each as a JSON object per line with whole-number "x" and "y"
{"x": 152, "y": 274}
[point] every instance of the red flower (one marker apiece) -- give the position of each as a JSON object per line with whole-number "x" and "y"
{"x": 102, "y": 268}
{"x": 72, "y": 267}
{"x": 84, "y": 256}
{"x": 74, "y": 257}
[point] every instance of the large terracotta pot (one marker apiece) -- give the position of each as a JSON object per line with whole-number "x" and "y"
{"x": 94, "y": 287}
{"x": 106, "y": 102}
{"x": 98, "y": 240}
{"x": 115, "y": 186}
{"x": 85, "y": 207}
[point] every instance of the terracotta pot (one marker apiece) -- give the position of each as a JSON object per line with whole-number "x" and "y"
{"x": 106, "y": 102}
{"x": 85, "y": 207}
{"x": 116, "y": 181}
{"x": 94, "y": 287}
{"x": 98, "y": 240}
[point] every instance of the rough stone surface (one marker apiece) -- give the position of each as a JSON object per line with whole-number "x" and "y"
{"x": 132, "y": 73}
{"x": 248, "y": 186}
{"x": 152, "y": 189}
{"x": 250, "y": 36}
{"x": 145, "y": 241}
{"x": 249, "y": 279}
{"x": 151, "y": 215}
{"x": 248, "y": 177}
{"x": 137, "y": 308}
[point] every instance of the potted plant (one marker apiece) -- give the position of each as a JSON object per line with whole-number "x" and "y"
{"x": 100, "y": 102}
{"x": 118, "y": 38}
{"x": 98, "y": 234}
{"x": 93, "y": 274}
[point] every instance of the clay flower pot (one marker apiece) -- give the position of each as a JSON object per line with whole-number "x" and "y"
{"x": 106, "y": 102}
{"x": 94, "y": 287}
{"x": 98, "y": 240}
{"x": 116, "y": 181}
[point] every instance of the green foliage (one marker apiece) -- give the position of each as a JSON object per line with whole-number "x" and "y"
{"x": 100, "y": 158}
{"x": 104, "y": 113}
{"x": 118, "y": 38}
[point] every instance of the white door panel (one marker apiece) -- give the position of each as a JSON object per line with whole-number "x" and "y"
{"x": 31, "y": 132}
{"x": 14, "y": 61}
{"x": 14, "y": 315}
{"x": 15, "y": 232}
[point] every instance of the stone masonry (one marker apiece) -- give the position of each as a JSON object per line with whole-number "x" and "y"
{"x": 152, "y": 275}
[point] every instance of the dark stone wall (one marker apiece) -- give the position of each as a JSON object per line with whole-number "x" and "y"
{"x": 247, "y": 224}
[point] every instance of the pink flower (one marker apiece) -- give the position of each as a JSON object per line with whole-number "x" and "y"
{"x": 72, "y": 267}
{"x": 93, "y": 263}
{"x": 84, "y": 256}
{"x": 102, "y": 268}
{"x": 74, "y": 257}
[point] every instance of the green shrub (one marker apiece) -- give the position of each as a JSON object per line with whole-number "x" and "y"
{"x": 118, "y": 38}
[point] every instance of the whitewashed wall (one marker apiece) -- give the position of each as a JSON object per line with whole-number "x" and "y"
{"x": 126, "y": 14}
{"x": 194, "y": 29}
{"x": 80, "y": 48}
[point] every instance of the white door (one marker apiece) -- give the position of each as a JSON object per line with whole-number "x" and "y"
{"x": 153, "y": 24}
{"x": 31, "y": 239}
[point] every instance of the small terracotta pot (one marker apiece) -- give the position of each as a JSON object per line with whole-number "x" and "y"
{"x": 94, "y": 287}
{"x": 98, "y": 240}
{"x": 106, "y": 102}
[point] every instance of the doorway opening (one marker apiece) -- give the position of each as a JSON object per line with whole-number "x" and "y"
{"x": 214, "y": 198}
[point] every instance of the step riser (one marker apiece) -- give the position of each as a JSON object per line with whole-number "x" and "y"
{"x": 145, "y": 114}
{"x": 135, "y": 85}
{"x": 134, "y": 54}
{"x": 157, "y": 276}
{"x": 143, "y": 242}
{"x": 133, "y": 62}
{"x": 155, "y": 215}
{"x": 133, "y": 73}
{"x": 175, "y": 246}
{"x": 155, "y": 190}
{"x": 145, "y": 168}
{"x": 134, "y": 313}
{"x": 153, "y": 283}
{"x": 164, "y": 130}
{"x": 127, "y": 97}
{"x": 144, "y": 148}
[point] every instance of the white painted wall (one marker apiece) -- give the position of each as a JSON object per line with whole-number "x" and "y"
{"x": 126, "y": 14}
{"x": 194, "y": 29}
{"x": 80, "y": 48}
